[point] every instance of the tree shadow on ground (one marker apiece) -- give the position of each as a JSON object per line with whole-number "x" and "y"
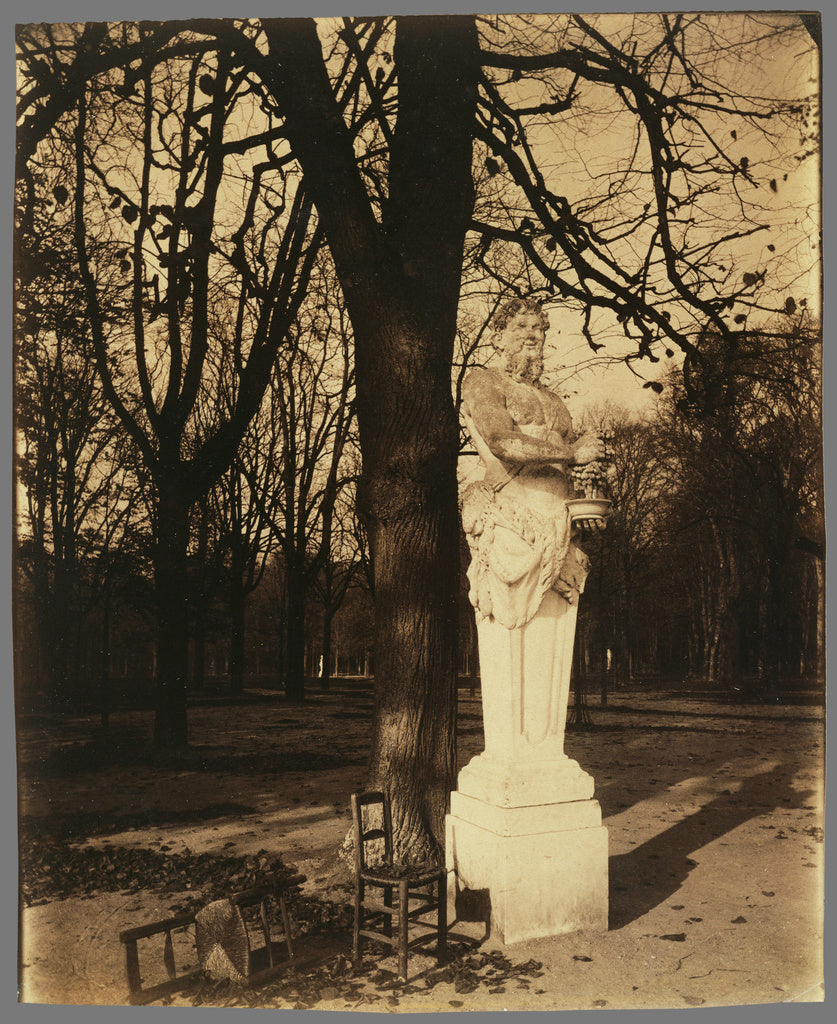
{"x": 100, "y": 754}
{"x": 611, "y": 755}
{"x": 75, "y": 746}
{"x": 654, "y": 871}
{"x": 84, "y": 824}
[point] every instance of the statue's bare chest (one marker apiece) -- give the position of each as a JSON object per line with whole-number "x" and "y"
{"x": 524, "y": 405}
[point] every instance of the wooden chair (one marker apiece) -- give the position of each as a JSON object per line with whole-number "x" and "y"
{"x": 260, "y": 964}
{"x": 417, "y": 890}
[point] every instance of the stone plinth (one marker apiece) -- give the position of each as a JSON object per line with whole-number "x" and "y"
{"x": 525, "y": 783}
{"x": 536, "y": 870}
{"x": 525, "y": 840}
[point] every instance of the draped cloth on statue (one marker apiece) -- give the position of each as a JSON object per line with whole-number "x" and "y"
{"x": 517, "y": 556}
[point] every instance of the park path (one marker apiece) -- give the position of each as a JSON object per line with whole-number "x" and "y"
{"x": 714, "y": 814}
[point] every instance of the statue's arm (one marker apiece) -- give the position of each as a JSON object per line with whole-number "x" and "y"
{"x": 588, "y": 448}
{"x": 484, "y": 401}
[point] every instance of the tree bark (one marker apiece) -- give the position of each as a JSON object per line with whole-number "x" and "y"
{"x": 401, "y": 279}
{"x": 170, "y": 586}
{"x": 415, "y": 548}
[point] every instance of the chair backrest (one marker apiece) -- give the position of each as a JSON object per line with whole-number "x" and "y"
{"x": 372, "y": 823}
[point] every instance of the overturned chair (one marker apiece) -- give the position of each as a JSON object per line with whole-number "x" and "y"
{"x": 223, "y": 938}
{"x": 391, "y": 897}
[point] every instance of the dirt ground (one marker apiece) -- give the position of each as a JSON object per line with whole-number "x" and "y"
{"x": 715, "y": 822}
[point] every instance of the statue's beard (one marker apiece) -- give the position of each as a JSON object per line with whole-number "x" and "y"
{"x": 524, "y": 367}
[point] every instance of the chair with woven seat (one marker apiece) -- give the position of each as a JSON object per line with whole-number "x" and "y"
{"x": 391, "y": 897}
{"x": 222, "y": 939}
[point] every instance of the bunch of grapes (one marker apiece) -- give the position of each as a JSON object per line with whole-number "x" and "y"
{"x": 591, "y": 480}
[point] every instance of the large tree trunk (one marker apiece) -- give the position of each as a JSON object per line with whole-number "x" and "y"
{"x": 400, "y": 277}
{"x": 171, "y": 596}
{"x": 411, "y": 502}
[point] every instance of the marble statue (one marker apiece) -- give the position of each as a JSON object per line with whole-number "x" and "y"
{"x": 523, "y": 824}
{"x": 516, "y": 519}
{"x": 527, "y": 569}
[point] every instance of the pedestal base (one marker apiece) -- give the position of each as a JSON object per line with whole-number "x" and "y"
{"x": 533, "y": 871}
{"x": 531, "y": 783}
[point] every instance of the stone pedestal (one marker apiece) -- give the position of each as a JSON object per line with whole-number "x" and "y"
{"x": 539, "y": 870}
{"x": 525, "y": 840}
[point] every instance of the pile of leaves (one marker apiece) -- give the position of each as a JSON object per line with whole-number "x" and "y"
{"x": 56, "y": 868}
{"x": 367, "y": 985}
{"x": 53, "y": 868}
{"x": 492, "y": 970}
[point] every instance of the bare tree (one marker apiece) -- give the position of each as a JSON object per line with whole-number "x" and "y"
{"x": 149, "y": 154}
{"x": 387, "y": 119}
{"x": 341, "y": 568}
{"x": 74, "y": 469}
{"x": 659, "y": 230}
{"x": 311, "y": 412}
{"x": 625, "y": 575}
{"x": 246, "y": 537}
{"x": 748, "y": 496}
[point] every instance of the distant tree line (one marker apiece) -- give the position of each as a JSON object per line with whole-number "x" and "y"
{"x": 711, "y": 570}
{"x": 279, "y": 522}
{"x": 712, "y": 567}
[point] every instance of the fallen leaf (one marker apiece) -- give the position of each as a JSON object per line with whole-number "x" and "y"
{"x": 676, "y": 937}
{"x": 466, "y": 983}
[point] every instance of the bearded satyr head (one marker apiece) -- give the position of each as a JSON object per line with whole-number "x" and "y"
{"x": 518, "y": 331}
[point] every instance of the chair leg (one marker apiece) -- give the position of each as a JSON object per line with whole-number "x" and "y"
{"x": 388, "y": 917}
{"x": 133, "y": 967}
{"x": 286, "y": 924}
{"x": 403, "y": 926}
{"x": 358, "y": 922}
{"x": 442, "y": 946}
